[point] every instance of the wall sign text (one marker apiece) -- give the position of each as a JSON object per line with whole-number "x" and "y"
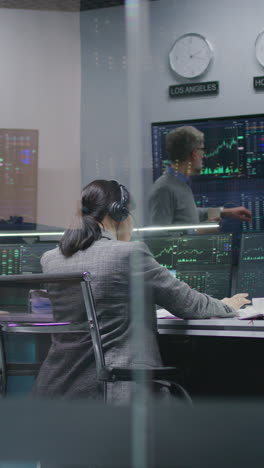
{"x": 194, "y": 89}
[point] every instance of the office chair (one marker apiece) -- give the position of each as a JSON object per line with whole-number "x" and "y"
{"x": 31, "y": 322}
{"x": 3, "y": 372}
{"x": 159, "y": 376}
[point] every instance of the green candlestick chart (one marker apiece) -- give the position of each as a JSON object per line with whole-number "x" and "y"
{"x": 221, "y": 169}
{"x": 166, "y": 250}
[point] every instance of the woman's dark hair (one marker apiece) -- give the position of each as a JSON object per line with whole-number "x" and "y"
{"x": 96, "y": 201}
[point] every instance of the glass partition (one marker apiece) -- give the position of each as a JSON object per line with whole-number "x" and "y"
{"x": 94, "y": 153}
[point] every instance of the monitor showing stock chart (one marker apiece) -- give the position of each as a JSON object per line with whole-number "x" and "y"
{"x": 233, "y": 167}
{"x": 202, "y": 261}
{"x": 16, "y": 259}
{"x": 251, "y": 264}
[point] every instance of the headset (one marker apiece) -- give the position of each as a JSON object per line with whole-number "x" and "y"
{"x": 119, "y": 210}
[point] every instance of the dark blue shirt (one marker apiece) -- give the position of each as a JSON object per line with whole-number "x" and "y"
{"x": 170, "y": 170}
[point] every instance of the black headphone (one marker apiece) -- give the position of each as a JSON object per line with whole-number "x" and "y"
{"x": 119, "y": 210}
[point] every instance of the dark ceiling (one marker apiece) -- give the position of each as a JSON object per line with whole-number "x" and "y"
{"x": 60, "y": 5}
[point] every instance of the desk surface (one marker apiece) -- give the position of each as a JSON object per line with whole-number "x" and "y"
{"x": 212, "y": 327}
{"x": 207, "y": 327}
{"x": 22, "y": 318}
{"x": 38, "y": 323}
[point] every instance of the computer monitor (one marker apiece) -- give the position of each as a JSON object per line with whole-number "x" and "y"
{"x": 18, "y": 177}
{"x": 215, "y": 282}
{"x": 251, "y": 265}
{"x": 10, "y": 259}
{"x": 18, "y": 259}
{"x": 31, "y": 255}
{"x": 202, "y": 261}
{"x": 233, "y": 164}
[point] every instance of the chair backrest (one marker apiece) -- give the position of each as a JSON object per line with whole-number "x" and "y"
{"x": 85, "y": 279}
{"x": 93, "y": 323}
{"x": 30, "y": 325}
{"x": 10, "y": 280}
{"x": 35, "y": 299}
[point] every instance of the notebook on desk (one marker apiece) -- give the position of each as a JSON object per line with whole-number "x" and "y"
{"x": 254, "y": 311}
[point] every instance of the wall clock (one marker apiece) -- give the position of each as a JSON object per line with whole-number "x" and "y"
{"x": 190, "y": 55}
{"x": 259, "y": 48}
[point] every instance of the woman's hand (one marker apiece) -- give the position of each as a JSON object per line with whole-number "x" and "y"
{"x": 237, "y": 301}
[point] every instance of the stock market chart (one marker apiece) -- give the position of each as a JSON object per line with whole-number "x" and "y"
{"x": 31, "y": 255}
{"x": 210, "y": 280}
{"x": 10, "y": 259}
{"x": 230, "y": 193}
{"x": 214, "y": 249}
{"x": 18, "y": 259}
{"x": 202, "y": 261}
{"x": 233, "y": 164}
{"x": 251, "y": 265}
{"x": 234, "y": 145}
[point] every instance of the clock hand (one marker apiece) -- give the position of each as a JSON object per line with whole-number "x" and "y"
{"x": 200, "y": 58}
{"x": 189, "y": 45}
{"x": 198, "y": 51}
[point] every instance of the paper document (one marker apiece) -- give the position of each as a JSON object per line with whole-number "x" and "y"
{"x": 163, "y": 313}
{"x": 249, "y": 312}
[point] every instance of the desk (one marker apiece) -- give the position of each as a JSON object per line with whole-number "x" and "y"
{"x": 24, "y": 343}
{"x": 232, "y": 328}
{"x": 220, "y": 357}
{"x": 37, "y": 323}
{"x": 208, "y": 327}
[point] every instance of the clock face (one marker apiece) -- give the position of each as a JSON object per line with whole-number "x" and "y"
{"x": 191, "y": 55}
{"x": 259, "y": 48}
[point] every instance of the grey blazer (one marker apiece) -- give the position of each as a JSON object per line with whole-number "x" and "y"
{"x": 69, "y": 369}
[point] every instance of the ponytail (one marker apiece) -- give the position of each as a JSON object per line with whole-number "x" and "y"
{"x": 80, "y": 237}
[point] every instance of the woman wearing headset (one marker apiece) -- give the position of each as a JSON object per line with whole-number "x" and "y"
{"x": 99, "y": 243}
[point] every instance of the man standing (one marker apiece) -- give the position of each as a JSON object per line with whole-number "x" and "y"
{"x": 171, "y": 199}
